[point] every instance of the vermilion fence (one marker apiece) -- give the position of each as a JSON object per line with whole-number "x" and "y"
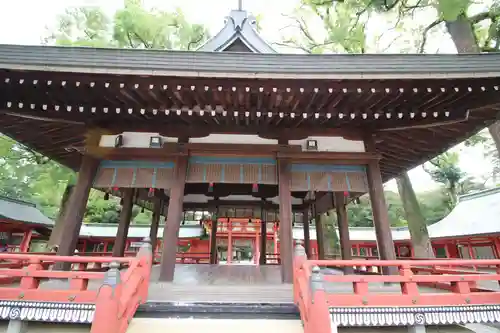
{"x": 316, "y": 289}
{"x": 115, "y": 294}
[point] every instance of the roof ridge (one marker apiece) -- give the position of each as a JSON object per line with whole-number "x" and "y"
{"x": 18, "y": 201}
{"x": 479, "y": 194}
{"x": 239, "y": 24}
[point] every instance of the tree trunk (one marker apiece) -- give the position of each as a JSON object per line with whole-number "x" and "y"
{"x": 416, "y": 224}
{"x": 462, "y": 34}
{"x": 55, "y": 235}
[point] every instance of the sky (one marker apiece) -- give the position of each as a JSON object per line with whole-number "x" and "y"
{"x": 27, "y": 22}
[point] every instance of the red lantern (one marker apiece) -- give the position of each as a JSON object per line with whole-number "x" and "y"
{"x": 115, "y": 189}
{"x": 346, "y": 194}
{"x": 255, "y": 188}
{"x": 151, "y": 192}
{"x": 210, "y": 187}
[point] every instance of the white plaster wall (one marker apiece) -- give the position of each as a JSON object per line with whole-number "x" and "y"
{"x": 234, "y": 139}
{"x": 132, "y": 140}
{"x": 332, "y": 143}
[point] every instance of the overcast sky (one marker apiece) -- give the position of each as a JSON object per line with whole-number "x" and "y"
{"x": 26, "y": 22}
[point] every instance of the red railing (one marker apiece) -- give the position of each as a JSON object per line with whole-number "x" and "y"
{"x": 193, "y": 257}
{"x": 273, "y": 259}
{"x": 314, "y": 300}
{"x": 116, "y": 295}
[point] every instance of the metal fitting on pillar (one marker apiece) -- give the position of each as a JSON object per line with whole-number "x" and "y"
{"x": 299, "y": 249}
{"x": 316, "y": 281}
{"x": 146, "y": 246}
{"x": 112, "y": 277}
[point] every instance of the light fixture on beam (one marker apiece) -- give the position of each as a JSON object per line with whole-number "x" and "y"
{"x": 312, "y": 145}
{"x": 119, "y": 141}
{"x": 155, "y": 142}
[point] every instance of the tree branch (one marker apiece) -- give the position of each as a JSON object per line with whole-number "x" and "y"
{"x": 425, "y": 32}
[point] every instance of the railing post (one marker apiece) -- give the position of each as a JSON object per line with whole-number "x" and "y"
{"x": 27, "y": 281}
{"x": 108, "y": 302}
{"x": 298, "y": 259}
{"x": 145, "y": 255}
{"x": 318, "y": 312}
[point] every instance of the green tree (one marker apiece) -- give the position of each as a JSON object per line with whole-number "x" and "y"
{"x": 27, "y": 175}
{"x": 133, "y": 26}
{"x": 472, "y": 28}
{"x": 416, "y": 222}
{"x": 345, "y": 26}
{"x": 444, "y": 169}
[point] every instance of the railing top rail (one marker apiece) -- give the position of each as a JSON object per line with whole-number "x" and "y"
{"x": 399, "y": 263}
{"x": 56, "y": 258}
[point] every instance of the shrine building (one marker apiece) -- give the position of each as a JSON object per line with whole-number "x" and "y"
{"x": 235, "y": 126}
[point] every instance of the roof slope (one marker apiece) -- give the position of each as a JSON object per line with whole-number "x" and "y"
{"x": 248, "y": 65}
{"x": 475, "y": 214}
{"x": 239, "y": 34}
{"x": 21, "y": 211}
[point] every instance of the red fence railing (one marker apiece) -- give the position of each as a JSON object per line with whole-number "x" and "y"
{"x": 116, "y": 295}
{"x": 314, "y": 297}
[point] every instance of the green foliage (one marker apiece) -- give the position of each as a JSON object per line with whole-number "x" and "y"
{"x": 27, "y": 175}
{"x": 133, "y": 26}
{"x": 444, "y": 169}
{"x": 433, "y": 206}
{"x": 449, "y": 10}
{"x": 343, "y": 28}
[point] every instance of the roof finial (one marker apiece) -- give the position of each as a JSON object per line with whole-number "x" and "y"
{"x": 240, "y": 4}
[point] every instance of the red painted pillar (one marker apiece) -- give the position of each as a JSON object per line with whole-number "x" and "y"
{"x": 229, "y": 241}
{"x": 256, "y": 247}
{"x": 496, "y": 247}
{"x": 471, "y": 251}
{"x": 25, "y": 242}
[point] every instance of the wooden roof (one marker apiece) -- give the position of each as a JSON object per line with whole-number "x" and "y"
{"x": 416, "y": 106}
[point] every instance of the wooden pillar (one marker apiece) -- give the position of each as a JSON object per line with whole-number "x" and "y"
{"x": 379, "y": 208}
{"x": 155, "y": 223}
{"x": 125, "y": 217}
{"x": 173, "y": 222}
{"x": 75, "y": 209}
{"x": 319, "y": 232}
{"x": 213, "y": 237}
{"x": 286, "y": 237}
{"x": 263, "y": 237}
{"x": 307, "y": 235}
{"x": 380, "y": 216}
{"x": 343, "y": 224}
